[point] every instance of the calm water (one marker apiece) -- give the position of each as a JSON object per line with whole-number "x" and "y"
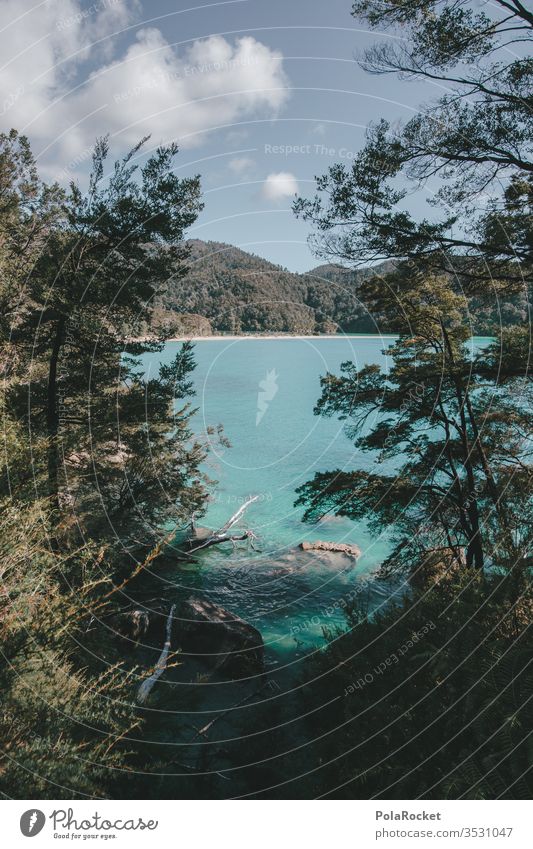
{"x": 263, "y": 392}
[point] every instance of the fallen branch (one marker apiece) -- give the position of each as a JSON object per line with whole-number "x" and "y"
{"x": 146, "y": 686}
{"x": 236, "y": 516}
{"x": 196, "y": 542}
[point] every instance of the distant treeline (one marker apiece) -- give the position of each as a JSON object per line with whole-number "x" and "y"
{"x": 228, "y": 290}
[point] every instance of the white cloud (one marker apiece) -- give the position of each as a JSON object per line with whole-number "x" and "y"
{"x": 43, "y": 47}
{"x": 151, "y": 88}
{"x": 279, "y": 186}
{"x": 319, "y": 130}
{"x": 241, "y": 164}
{"x": 212, "y": 83}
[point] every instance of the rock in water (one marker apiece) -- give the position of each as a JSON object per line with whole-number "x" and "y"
{"x": 338, "y": 547}
{"x": 202, "y": 630}
{"x": 218, "y": 637}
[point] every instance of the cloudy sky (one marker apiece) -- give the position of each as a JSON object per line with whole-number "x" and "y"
{"x": 261, "y": 95}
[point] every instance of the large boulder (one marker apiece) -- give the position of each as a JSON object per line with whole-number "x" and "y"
{"x": 201, "y": 630}
{"x": 221, "y": 639}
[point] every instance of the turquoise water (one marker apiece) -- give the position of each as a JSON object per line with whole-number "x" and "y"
{"x": 263, "y": 391}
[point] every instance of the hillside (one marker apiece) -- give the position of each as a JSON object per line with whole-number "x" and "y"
{"x": 228, "y": 290}
{"x": 241, "y": 292}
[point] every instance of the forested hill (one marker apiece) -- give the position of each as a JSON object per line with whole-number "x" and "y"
{"x": 241, "y": 292}
{"x": 238, "y": 292}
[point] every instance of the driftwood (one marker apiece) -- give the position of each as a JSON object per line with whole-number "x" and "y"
{"x": 204, "y": 538}
{"x": 146, "y": 686}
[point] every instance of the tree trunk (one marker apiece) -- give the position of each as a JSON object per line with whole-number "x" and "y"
{"x": 493, "y": 487}
{"x": 146, "y": 686}
{"x": 474, "y": 552}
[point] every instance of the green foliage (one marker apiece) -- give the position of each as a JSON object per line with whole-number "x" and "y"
{"x": 477, "y": 139}
{"x": 462, "y": 445}
{"x": 449, "y": 435}
{"x": 108, "y": 447}
{"x": 98, "y": 457}
{"x": 430, "y": 698}
{"x": 67, "y": 700}
{"x": 240, "y": 292}
{"x": 447, "y": 425}
{"x": 230, "y": 291}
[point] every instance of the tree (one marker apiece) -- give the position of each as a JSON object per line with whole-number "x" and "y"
{"x": 454, "y": 448}
{"x": 464, "y": 440}
{"x": 410, "y": 716}
{"x": 477, "y": 138}
{"x": 108, "y": 447}
{"x": 99, "y": 456}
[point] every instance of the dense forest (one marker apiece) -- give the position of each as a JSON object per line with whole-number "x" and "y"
{"x": 102, "y": 471}
{"x": 239, "y": 292}
{"x": 90, "y": 482}
{"x": 230, "y": 291}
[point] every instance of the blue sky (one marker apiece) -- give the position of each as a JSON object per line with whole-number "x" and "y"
{"x": 261, "y": 96}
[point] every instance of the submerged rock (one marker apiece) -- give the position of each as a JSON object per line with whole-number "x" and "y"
{"x": 336, "y": 547}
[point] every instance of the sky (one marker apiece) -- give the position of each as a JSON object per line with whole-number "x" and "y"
{"x": 260, "y": 95}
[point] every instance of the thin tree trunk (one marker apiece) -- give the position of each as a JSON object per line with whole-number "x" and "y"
{"x": 474, "y": 551}
{"x": 492, "y": 485}
{"x": 463, "y": 514}
{"x": 146, "y": 686}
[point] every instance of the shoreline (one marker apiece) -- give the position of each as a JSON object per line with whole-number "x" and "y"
{"x": 266, "y": 336}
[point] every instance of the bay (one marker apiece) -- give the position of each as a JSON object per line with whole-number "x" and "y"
{"x": 263, "y": 391}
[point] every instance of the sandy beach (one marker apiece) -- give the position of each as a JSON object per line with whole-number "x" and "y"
{"x": 266, "y": 336}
